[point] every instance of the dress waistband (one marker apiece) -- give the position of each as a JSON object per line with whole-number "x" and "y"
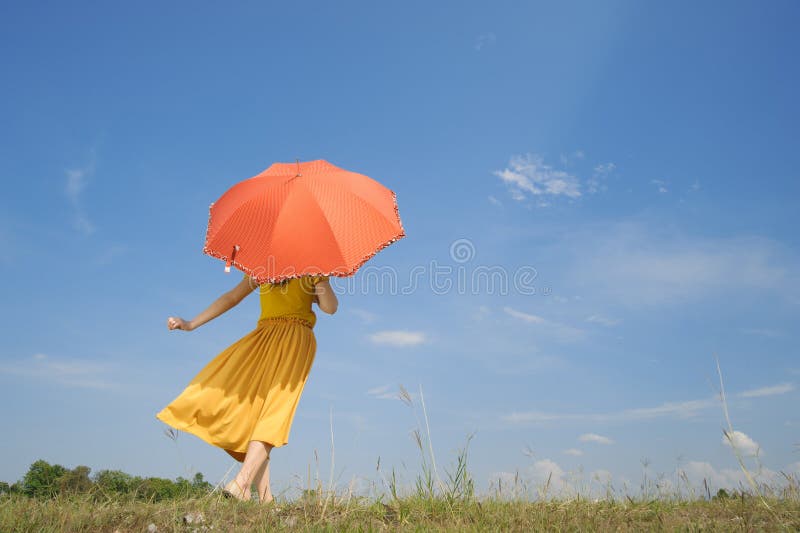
{"x": 273, "y": 319}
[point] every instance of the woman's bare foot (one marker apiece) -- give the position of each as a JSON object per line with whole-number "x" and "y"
{"x": 233, "y": 490}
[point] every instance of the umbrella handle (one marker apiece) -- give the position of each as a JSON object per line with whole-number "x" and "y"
{"x": 230, "y": 259}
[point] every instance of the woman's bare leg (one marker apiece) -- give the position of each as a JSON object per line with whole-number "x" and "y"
{"x": 262, "y": 479}
{"x": 256, "y": 455}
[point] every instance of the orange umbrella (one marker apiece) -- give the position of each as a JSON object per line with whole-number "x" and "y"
{"x": 297, "y": 219}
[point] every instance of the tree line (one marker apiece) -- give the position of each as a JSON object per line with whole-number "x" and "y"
{"x": 44, "y": 480}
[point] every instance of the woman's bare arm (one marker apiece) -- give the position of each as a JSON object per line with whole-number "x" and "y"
{"x": 220, "y": 305}
{"x": 325, "y": 297}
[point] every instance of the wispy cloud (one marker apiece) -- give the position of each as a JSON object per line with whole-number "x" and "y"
{"x": 529, "y": 175}
{"x": 561, "y": 331}
{"x": 762, "y": 332}
{"x": 603, "y": 320}
{"x": 600, "y": 174}
{"x": 355, "y": 419}
{"x": 661, "y": 186}
{"x": 773, "y": 390}
{"x": 76, "y": 182}
{"x": 570, "y": 159}
{"x": 681, "y": 410}
{"x": 485, "y": 40}
{"x": 384, "y": 392}
{"x": 526, "y": 317}
{"x": 481, "y": 312}
{"x": 637, "y": 265}
{"x": 685, "y": 409}
{"x": 594, "y": 437}
{"x": 109, "y": 254}
{"x": 366, "y": 316}
{"x": 80, "y": 373}
{"x": 573, "y": 451}
{"x": 398, "y": 338}
{"x": 495, "y": 201}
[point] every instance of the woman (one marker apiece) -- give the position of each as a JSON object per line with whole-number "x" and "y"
{"x": 244, "y": 400}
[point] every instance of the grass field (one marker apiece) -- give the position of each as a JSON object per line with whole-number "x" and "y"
{"x": 412, "y": 513}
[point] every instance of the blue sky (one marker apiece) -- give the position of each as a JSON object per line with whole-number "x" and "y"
{"x": 641, "y": 159}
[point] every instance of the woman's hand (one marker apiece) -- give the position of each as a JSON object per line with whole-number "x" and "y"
{"x": 219, "y": 306}
{"x": 176, "y": 322}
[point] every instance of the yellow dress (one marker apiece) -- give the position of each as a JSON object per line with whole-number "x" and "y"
{"x": 250, "y": 391}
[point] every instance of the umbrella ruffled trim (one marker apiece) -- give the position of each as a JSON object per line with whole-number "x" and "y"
{"x": 250, "y": 272}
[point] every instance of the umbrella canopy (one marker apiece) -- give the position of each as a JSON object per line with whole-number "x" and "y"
{"x": 304, "y": 218}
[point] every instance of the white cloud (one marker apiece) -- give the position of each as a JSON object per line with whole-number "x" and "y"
{"x": 495, "y": 201}
{"x": 484, "y": 40}
{"x": 594, "y": 437}
{"x": 573, "y": 451}
{"x": 518, "y": 196}
{"x": 561, "y": 331}
{"x": 526, "y": 317}
{"x": 77, "y": 180}
{"x": 727, "y": 478}
{"x": 686, "y": 409}
{"x": 365, "y": 316}
{"x": 398, "y": 338}
{"x": 545, "y": 468}
{"x": 742, "y": 443}
{"x": 600, "y": 174}
{"x": 548, "y": 474}
{"x": 481, "y": 313}
{"x": 383, "y": 392}
{"x": 605, "y": 169}
{"x": 603, "y": 320}
{"x": 79, "y": 373}
{"x": 661, "y": 185}
{"x": 781, "y": 388}
{"x": 602, "y": 476}
{"x": 507, "y": 484}
{"x": 530, "y": 175}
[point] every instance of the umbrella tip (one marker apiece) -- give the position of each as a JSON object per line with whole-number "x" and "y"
{"x": 231, "y": 258}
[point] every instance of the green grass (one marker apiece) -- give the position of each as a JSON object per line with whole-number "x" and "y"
{"x": 410, "y": 513}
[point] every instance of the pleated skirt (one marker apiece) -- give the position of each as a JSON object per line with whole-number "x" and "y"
{"x": 251, "y": 390}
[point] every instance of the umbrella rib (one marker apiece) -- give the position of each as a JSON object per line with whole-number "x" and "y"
{"x": 385, "y": 216}
{"x": 327, "y": 222}
{"x": 325, "y": 218}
